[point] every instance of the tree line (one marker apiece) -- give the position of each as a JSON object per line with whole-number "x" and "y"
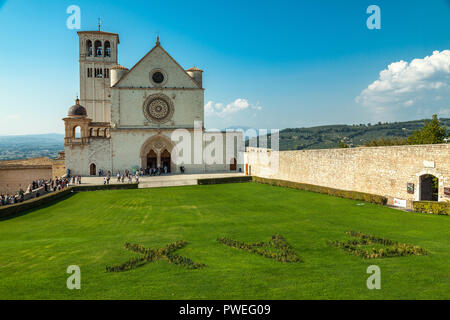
{"x": 432, "y": 132}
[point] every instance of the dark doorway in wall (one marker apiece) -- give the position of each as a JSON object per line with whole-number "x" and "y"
{"x": 233, "y": 164}
{"x": 166, "y": 160}
{"x": 93, "y": 169}
{"x": 429, "y": 187}
{"x": 151, "y": 160}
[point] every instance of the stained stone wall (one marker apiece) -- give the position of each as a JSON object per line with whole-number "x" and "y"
{"x": 12, "y": 179}
{"x": 79, "y": 157}
{"x": 16, "y": 174}
{"x": 125, "y": 150}
{"x": 378, "y": 170}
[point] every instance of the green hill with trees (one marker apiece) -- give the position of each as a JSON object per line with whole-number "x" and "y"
{"x": 335, "y": 136}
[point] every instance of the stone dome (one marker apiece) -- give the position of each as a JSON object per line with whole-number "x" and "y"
{"x": 77, "y": 110}
{"x": 194, "y": 69}
{"x": 119, "y": 67}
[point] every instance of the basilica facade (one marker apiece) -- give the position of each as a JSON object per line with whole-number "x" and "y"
{"x": 149, "y": 116}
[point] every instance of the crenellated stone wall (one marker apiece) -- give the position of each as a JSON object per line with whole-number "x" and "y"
{"x": 378, "y": 170}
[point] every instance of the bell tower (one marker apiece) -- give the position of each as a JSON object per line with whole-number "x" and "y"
{"x": 98, "y": 54}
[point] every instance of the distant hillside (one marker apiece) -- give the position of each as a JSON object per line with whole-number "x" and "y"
{"x": 324, "y": 137}
{"x": 31, "y": 146}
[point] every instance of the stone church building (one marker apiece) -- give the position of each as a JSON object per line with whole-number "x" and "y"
{"x": 132, "y": 118}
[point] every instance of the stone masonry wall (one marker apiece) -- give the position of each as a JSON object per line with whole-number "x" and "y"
{"x": 378, "y": 170}
{"x": 12, "y": 179}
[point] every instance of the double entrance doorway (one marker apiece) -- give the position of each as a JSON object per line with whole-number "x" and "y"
{"x": 164, "y": 161}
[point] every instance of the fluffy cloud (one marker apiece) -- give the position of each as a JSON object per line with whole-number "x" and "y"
{"x": 422, "y": 83}
{"x": 223, "y": 111}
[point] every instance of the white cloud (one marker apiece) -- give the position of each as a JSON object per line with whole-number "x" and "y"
{"x": 422, "y": 83}
{"x": 223, "y": 111}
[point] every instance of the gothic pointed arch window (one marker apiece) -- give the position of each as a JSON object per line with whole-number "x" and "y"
{"x": 98, "y": 48}
{"x": 107, "y": 49}
{"x": 89, "y": 48}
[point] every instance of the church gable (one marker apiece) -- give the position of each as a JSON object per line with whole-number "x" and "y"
{"x": 157, "y": 69}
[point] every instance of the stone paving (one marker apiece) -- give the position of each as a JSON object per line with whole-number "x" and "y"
{"x": 168, "y": 180}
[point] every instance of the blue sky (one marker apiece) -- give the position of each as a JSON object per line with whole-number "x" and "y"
{"x": 267, "y": 64}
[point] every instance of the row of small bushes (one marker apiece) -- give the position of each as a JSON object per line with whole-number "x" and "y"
{"x": 284, "y": 252}
{"x": 124, "y": 186}
{"x": 442, "y": 208}
{"x": 224, "y": 180}
{"x": 15, "y": 209}
{"x": 361, "y": 196}
{"x": 150, "y": 255}
{"x": 393, "y": 249}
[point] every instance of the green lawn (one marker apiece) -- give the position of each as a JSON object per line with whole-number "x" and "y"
{"x": 90, "y": 229}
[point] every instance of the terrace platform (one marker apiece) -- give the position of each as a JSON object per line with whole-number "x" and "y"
{"x": 169, "y": 180}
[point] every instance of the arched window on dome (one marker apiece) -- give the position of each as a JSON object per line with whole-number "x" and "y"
{"x": 77, "y": 132}
{"x": 98, "y": 48}
{"x": 107, "y": 49}
{"x": 89, "y": 48}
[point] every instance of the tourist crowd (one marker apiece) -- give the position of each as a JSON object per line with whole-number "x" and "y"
{"x": 38, "y": 188}
{"x": 42, "y": 186}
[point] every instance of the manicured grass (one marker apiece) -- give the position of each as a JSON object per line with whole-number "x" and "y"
{"x": 89, "y": 229}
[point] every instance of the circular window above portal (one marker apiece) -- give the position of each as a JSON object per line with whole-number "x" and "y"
{"x": 158, "y": 77}
{"x": 158, "y": 108}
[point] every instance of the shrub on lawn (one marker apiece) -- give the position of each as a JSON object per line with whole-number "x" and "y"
{"x": 284, "y": 252}
{"x": 224, "y": 180}
{"x": 372, "y": 198}
{"x": 124, "y": 186}
{"x": 150, "y": 255}
{"x": 442, "y": 208}
{"x": 393, "y": 248}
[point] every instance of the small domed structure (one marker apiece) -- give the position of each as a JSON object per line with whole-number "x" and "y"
{"x": 77, "y": 110}
{"x": 196, "y": 74}
{"x": 117, "y": 72}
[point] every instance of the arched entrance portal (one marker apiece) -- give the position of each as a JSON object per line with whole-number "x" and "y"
{"x": 166, "y": 160}
{"x": 93, "y": 169}
{"x": 429, "y": 188}
{"x": 159, "y": 152}
{"x": 152, "y": 160}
